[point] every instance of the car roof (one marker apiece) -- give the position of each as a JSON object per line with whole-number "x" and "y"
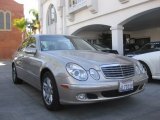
{"x": 39, "y": 35}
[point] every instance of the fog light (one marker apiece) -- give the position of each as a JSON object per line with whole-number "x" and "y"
{"x": 81, "y": 96}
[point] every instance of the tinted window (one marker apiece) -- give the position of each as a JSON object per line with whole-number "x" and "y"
{"x": 101, "y": 47}
{"x": 146, "y": 47}
{"x": 151, "y": 46}
{"x": 63, "y": 43}
{"x": 157, "y": 45}
{"x": 80, "y": 44}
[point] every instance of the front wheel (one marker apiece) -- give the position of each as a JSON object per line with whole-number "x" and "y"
{"x": 15, "y": 79}
{"x": 50, "y": 92}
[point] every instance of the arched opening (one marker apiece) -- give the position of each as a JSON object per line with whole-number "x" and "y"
{"x": 95, "y": 34}
{"x": 5, "y": 20}
{"x": 8, "y": 21}
{"x": 2, "y": 23}
{"x": 141, "y": 29}
{"x": 51, "y": 19}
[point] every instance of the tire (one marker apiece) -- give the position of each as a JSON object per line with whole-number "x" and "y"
{"x": 49, "y": 92}
{"x": 15, "y": 79}
{"x": 145, "y": 66}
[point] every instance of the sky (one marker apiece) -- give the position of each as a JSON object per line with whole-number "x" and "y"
{"x": 28, "y": 4}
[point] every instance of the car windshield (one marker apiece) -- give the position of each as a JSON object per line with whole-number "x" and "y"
{"x": 50, "y": 43}
{"x": 101, "y": 47}
{"x": 149, "y": 46}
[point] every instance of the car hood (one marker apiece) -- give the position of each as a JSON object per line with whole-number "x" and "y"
{"x": 90, "y": 57}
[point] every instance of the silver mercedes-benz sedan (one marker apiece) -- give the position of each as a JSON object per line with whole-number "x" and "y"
{"x": 68, "y": 70}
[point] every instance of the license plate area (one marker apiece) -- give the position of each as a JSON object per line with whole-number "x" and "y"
{"x": 125, "y": 85}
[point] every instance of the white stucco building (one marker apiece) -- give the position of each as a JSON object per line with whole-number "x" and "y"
{"x": 127, "y": 21}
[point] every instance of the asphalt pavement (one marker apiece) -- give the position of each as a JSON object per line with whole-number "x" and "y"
{"x": 23, "y": 102}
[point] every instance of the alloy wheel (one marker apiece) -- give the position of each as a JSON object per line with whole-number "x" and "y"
{"x": 47, "y": 91}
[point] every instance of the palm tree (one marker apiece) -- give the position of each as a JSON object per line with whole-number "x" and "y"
{"x": 35, "y": 24}
{"x": 21, "y": 24}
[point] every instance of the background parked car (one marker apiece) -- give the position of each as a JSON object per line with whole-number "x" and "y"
{"x": 130, "y": 48}
{"x": 149, "y": 56}
{"x": 104, "y": 48}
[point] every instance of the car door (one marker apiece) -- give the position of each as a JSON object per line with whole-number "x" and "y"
{"x": 154, "y": 57}
{"x": 33, "y": 64}
{"x": 154, "y": 63}
{"x": 157, "y": 47}
{"x": 19, "y": 60}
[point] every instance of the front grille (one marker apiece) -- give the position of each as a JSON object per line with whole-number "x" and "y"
{"x": 118, "y": 71}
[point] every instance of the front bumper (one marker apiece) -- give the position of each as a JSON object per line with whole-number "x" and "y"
{"x": 97, "y": 92}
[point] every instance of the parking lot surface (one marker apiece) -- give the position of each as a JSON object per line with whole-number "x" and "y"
{"x": 23, "y": 102}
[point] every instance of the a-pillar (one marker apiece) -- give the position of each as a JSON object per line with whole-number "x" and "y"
{"x": 117, "y": 38}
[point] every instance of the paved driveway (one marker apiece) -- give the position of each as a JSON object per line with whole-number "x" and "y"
{"x": 23, "y": 102}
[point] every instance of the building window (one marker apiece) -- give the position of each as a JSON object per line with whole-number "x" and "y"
{"x": 72, "y": 3}
{"x": 51, "y": 15}
{"x": 2, "y": 20}
{"x": 8, "y": 21}
{"x": 77, "y": 5}
{"x": 5, "y": 21}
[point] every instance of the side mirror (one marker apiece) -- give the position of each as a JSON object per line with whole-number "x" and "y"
{"x": 30, "y": 50}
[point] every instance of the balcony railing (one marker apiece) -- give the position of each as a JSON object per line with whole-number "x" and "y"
{"x": 76, "y": 5}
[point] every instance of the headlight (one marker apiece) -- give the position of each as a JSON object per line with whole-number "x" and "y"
{"x": 139, "y": 68}
{"x": 94, "y": 74}
{"x": 76, "y": 71}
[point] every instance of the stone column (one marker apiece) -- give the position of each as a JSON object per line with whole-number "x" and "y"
{"x": 117, "y": 38}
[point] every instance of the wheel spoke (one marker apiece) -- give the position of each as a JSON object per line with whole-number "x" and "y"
{"x": 45, "y": 86}
{"x": 44, "y": 94}
{"x": 50, "y": 98}
{"x": 47, "y": 97}
{"x": 49, "y": 82}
